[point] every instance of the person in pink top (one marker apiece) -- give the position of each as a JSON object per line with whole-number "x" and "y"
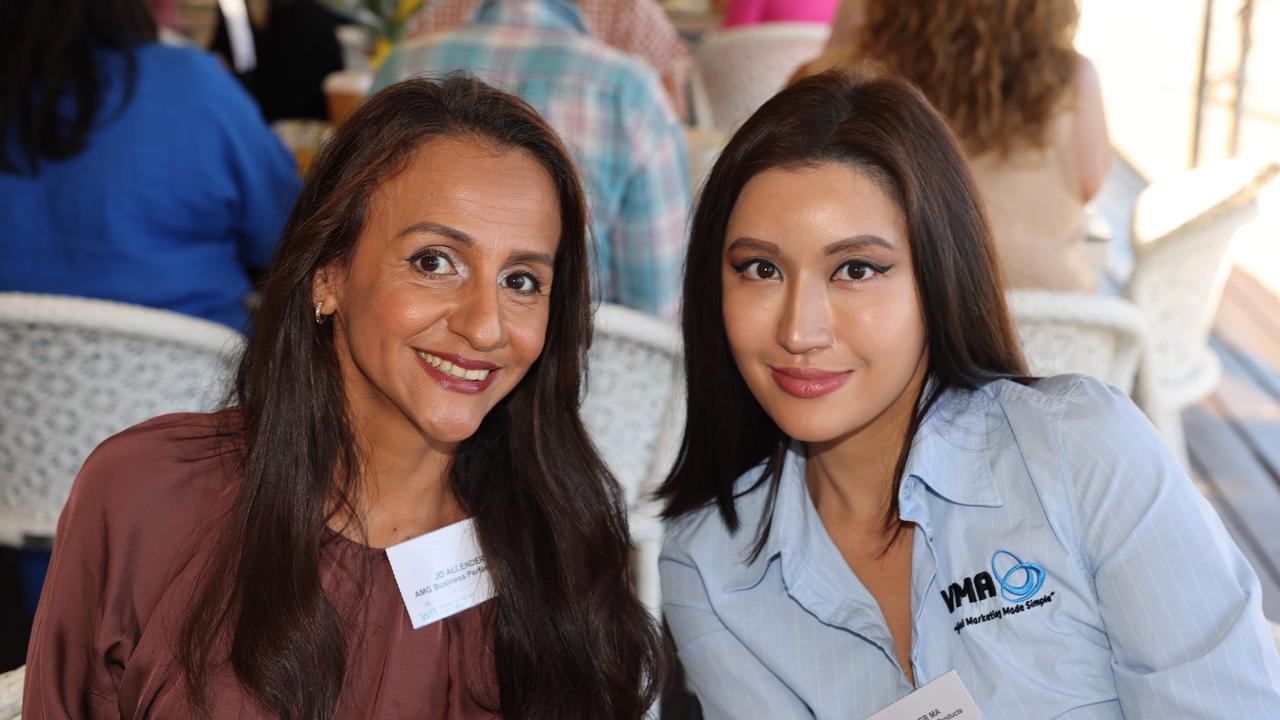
{"x": 750, "y": 12}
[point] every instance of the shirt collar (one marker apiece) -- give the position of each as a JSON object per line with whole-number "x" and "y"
{"x": 542, "y": 14}
{"x": 949, "y": 454}
{"x": 948, "y": 457}
{"x": 792, "y": 524}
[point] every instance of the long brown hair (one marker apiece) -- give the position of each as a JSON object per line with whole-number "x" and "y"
{"x": 998, "y": 70}
{"x": 884, "y": 128}
{"x": 47, "y": 58}
{"x": 570, "y": 639}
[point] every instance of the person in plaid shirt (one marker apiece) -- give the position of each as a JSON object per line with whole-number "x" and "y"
{"x": 610, "y": 111}
{"x": 637, "y": 27}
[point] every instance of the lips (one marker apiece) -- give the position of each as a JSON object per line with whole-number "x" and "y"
{"x": 808, "y": 383}
{"x": 457, "y": 373}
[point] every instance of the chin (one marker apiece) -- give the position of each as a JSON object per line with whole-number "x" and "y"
{"x": 818, "y": 424}
{"x": 451, "y": 433}
{"x": 807, "y": 432}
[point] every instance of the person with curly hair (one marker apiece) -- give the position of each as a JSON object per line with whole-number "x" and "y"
{"x": 1025, "y": 105}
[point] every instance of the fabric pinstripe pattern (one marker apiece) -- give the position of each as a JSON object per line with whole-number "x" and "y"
{"x": 610, "y": 111}
{"x": 1147, "y": 609}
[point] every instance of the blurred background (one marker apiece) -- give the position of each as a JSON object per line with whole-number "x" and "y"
{"x": 1186, "y": 224}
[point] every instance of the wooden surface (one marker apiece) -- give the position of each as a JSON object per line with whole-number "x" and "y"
{"x": 1233, "y": 437}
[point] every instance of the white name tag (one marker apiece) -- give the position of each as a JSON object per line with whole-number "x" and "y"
{"x": 942, "y": 699}
{"x": 441, "y": 573}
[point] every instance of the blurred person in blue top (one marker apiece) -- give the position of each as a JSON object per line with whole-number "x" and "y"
{"x": 872, "y": 492}
{"x": 612, "y": 113}
{"x": 131, "y": 170}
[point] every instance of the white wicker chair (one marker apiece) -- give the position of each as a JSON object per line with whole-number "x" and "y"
{"x": 1082, "y": 333}
{"x": 738, "y": 69}
{"x": 76, "y": 371}
{"x": 11, "y": 693}
{"x": 634, "y": 411}
{"x": 1182, "y": 240}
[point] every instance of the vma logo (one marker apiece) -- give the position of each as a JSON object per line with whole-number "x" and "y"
{"x": 1017, "y": 581}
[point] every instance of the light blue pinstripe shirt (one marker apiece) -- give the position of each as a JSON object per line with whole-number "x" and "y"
{"x": 613, "y": 115}
{"x": 1132, "y": 600}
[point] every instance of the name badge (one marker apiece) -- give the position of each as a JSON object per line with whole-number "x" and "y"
{"x": 942, "y": 699}
{"x": 441, "y": 573}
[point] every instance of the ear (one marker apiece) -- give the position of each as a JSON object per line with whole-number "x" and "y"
{"x": 324, "y": 289}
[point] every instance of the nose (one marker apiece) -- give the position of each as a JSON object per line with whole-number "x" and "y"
{"x": 806, "y": 323}
{"x": 477, "y": 318}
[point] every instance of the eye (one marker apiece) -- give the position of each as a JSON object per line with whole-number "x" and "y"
{"x": 758, "y": 269}
{"x": 522, "y": 283}
{"x": 859, "y": 271}
{"x": 433, "y": 262}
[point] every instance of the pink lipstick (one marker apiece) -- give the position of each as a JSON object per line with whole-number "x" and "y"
{"x": 457, "y": 373}
{"x": 808, "y": 383}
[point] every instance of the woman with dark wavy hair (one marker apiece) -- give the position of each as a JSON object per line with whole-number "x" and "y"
{"x": 1026, "y": 106}
{"x": 871, "y": 493}
{"x": 415, "y": 367}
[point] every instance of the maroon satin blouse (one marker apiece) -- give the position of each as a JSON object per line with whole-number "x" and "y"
{"x": 135, "y": 533}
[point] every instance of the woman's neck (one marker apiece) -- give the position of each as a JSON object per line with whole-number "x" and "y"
{"x": 851, "y": 479}
{"x": 404, "y": 489}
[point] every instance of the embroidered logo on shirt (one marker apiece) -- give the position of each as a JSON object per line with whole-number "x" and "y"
{"x": 1018, "y": 581}
{"x": 974, "y": 589}
{"x": 1021, "y": 581}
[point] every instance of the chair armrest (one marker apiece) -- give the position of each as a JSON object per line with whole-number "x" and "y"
{"x": 1199, "y": 195}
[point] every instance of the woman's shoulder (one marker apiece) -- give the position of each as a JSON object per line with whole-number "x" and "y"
{"x": 180, "y": 61}
{"x": 186, "y": 82}
{"x": 704, "y": 535}
{"x": 1068, "y": 397}
{"x": 171, "y": 437}
{"x": 179, "y": 466}
{"x": 171, "y": 64}
{"x": 1081, "y": 426}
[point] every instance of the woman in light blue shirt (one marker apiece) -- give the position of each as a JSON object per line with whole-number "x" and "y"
{"x": 872, "y": 493}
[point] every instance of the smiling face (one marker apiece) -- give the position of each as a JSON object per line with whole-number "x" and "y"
{"x": 820, "y": 302}
{"x": 442, "y": 306}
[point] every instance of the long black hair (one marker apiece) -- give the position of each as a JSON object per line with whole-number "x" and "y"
{"x": 47, "y": 55}
{"x": 886, "y": 129}
{"x": 570, "y": 640}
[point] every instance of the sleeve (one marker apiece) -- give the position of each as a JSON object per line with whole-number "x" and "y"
{"x": 263, "y": 171}
{"x": 1180, "y": 603}
{"x": 648, "y": 241}
{"x": 730, "y": 682}
{"x": 80, "y": 640}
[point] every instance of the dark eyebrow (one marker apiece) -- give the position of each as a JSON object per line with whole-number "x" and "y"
{"x": 433, "y": 228}
{"x": 453, "y": 233}
{"x": 750, "y": 243}
{"x": 532, "y": 258}
{"x": 857, "y": 242}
